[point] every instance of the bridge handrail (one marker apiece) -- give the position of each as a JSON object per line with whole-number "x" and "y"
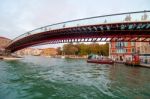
{"x": 63, "y": 24}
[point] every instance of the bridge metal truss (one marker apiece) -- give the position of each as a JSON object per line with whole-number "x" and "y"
{"x": 113, "y": 32}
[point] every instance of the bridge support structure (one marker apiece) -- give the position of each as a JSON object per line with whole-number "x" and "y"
{"x": 5, "y": 53}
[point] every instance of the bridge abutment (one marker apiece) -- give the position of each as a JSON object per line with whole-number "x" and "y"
{"x": 5, "y": 53}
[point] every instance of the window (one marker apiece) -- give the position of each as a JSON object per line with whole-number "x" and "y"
{"x": 126, "y": 44}
{"x": 121, "y": 50}
{"x": 133, "y": 50}
{"x": 120, "y": 44}
{"x": 132, "y": 43}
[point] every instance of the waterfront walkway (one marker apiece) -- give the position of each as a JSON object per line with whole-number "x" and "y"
{"x": 141, "y": 64}
{"x": 145, "y": 65}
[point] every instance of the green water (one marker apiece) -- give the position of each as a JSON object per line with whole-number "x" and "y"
{"x": 51, "y": 78}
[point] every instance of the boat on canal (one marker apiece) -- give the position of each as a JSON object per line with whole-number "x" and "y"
{"x": 99, "y": 59}
{"x": 10, "y": 58}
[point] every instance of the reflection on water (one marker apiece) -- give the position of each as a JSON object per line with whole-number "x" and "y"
{"x": 50, "y": 78}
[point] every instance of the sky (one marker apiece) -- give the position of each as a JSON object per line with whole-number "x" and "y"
{"x": 20, "y": 16}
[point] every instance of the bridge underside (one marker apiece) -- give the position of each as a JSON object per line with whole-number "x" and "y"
{"x": 118, "y": 32}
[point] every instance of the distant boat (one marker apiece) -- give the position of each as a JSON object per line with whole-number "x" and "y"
{"x": 48, "y": 56}
{"x": 12, "y": 58}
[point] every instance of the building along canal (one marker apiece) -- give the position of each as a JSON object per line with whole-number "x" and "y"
{"x": 55, "y": 78}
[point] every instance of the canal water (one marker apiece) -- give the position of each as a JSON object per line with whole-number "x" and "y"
{"x": 52, "y": 78}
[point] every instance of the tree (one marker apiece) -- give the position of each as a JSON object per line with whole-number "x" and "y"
{"x": 59, "y": 51}
{"x": 105, "y": 49}
{"x": 85, "y": 49}
{"x": 70, "y": 49}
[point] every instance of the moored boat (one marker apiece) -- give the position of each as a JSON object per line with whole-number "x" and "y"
{"x": 101, "y": 61}
{"x": 12, "y": 58}
{"x": 132, "y": 63}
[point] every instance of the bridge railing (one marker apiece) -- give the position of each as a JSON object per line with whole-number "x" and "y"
{"x": 104, "y": 19}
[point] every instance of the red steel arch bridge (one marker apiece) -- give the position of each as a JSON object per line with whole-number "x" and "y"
{"x": 121, "y": 27}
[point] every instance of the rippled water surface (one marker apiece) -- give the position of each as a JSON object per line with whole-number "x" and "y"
{"x": 51, "y": 78}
